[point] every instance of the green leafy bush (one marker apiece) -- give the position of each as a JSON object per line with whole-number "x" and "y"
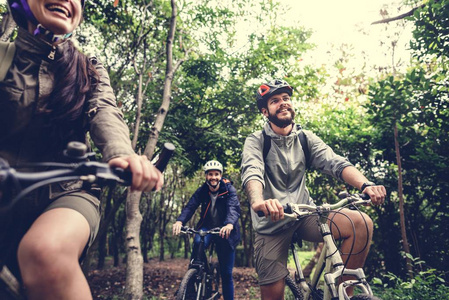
{"x": 427, "y": 284}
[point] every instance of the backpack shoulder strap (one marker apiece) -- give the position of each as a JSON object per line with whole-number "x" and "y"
{"x": 305, "y": 147}
{"x": 7, "y": 50}
{"x": 266, "y": 144}
{"x": 302, "y": 139}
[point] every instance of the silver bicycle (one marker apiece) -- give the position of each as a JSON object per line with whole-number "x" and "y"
{"x": 327, "y": 282}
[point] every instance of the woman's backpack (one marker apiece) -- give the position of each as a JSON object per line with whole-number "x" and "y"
{"x": 7, "y": 50}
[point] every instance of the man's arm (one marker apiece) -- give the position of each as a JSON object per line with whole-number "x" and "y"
{"x": 355, "y": 178}
{"x": 270, "y": 207}
{"x": 232, "y": 206}
{"x": 187, "y": 212}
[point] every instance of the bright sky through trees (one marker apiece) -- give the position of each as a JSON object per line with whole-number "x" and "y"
{"x": 348, "y": 21}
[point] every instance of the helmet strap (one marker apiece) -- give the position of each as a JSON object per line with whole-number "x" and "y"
{"x": 53, "y": 37}
{"x": 23, "y": 8}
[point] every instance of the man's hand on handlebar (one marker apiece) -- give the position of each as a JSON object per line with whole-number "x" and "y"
{"x": 225, "y": 231}
{"x": 377, "y": 193}
{"x": 270, "y": 207}
{"x": 146, "y": 177}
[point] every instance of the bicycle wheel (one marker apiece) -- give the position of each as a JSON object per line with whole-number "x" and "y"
{"x": 294, "y": 288}
{"x": 188, "y": 289}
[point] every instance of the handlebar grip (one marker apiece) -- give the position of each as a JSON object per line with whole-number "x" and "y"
{"x": 364, "y": 196}
{"x": 165, "y": 156}
{"x": 125, "y": 175}
{"x": 287, "y": 209}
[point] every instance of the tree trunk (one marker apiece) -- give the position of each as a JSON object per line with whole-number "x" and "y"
{"x": 405, "y": 244}
{"x": 102, "y": 239}
{"x": 134, "y": 260}
{"x": 246, "y": 238}
{"x": 134, "y": 266}
{"x": 138, "y": 110}
{"x": 115, "y": 239}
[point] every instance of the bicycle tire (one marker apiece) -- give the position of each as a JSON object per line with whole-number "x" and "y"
{"x": 188, "y": 289}
{"x": 364, "y": 297}
{"x": 294, "y": 288}
{"x": 317, "y": 294}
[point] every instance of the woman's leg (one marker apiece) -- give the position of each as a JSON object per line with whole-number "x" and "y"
{"x": 49, "y": 256}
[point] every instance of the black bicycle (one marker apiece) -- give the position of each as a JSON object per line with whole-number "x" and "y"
{"x": 15, "y": 185}
{"x": 202, "y": 280}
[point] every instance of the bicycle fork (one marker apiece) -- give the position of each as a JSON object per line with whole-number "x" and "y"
{"x": 299, "y": 276}
{"x": 335, "y": 269}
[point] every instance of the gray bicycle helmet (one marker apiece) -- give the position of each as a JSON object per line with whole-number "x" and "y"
{"x": 265, "y": 91}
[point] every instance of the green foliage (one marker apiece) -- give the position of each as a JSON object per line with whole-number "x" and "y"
{"x": 431, "y": 34}
{"x": 426, "y": 284}
{"x": 213, "y": 108}
{"x": 416, "y": 103}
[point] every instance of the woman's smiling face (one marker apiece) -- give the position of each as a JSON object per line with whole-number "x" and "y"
{"x": 58, "y": 16}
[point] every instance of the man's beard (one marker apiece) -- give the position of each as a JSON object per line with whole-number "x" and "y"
{"x": 282, "y": 123}
{"x": 211, "y": 185}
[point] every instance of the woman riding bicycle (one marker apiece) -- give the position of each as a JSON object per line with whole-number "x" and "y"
{"x": 220, "y": 207}
{"x": 53, "y": 94}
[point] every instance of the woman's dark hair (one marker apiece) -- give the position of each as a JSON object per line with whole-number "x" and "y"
{"x": 74, "y": 80}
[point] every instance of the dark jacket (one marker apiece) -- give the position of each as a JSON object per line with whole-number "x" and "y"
{"x": 24, "y": 137}
{"x": 29, "y": 80}
{"x": 227, "y": 205}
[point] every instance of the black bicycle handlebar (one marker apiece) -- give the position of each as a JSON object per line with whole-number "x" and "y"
{"x": 88, "y": 171}
{"x": 189, "y": 230}
{"x": 164, "y": 157}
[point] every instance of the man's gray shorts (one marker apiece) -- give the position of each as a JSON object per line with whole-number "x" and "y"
{"x": 271, "y": 251}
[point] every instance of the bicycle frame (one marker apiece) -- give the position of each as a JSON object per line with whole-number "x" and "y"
{"x": 331, "y": 263}
{"x": 202, "y": 264}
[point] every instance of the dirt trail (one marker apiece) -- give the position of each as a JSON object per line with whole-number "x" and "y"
{"x": 161, "y": 279}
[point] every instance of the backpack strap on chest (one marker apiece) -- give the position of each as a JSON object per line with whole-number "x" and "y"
{"x": 302, "y": 139}
{"x": 7, "y": 50}
{"x": 266, "y": 144}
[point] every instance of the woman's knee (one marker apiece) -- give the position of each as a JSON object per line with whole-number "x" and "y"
{"x": 45, "y": 251}
{"x": 43, "y": 257}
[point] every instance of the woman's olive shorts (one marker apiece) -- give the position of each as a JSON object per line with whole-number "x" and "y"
{"x": 84, "y": 203}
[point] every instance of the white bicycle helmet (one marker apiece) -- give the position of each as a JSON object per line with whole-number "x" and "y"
{"x": 213, "y": 165}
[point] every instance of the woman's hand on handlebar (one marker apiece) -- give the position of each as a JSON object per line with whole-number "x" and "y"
{"x": 270, "y": 207}
{"x": 177, "y": 227}
{"x": 145, "y": 176}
